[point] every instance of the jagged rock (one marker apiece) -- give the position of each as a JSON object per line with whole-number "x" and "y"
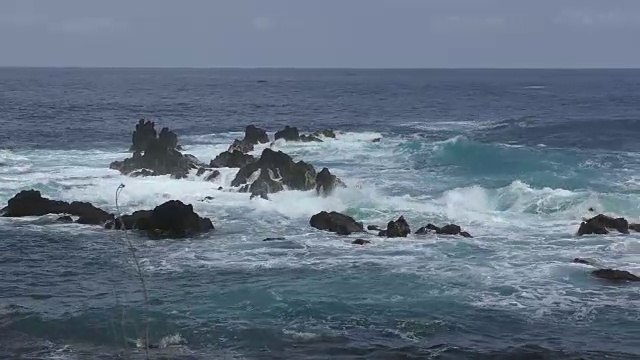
{"x": 214, "y": 175}
{"x": 201, "y": 171}
{"x": 65, "y": 219}
{"x": 156, "y": 155}
{"x": 601, "y": 224}
{"x": 335, "y": 222}
{"x": 241, "y": 146}
{"x": 277, "y": 170}
{"x": 255, "y": 135}
{"x": 327, "y": 182}
{"x": 449, "y": 229}
{"x": 634, "y": 227}
{"x": 234, "y": 159}
{"x": 31, "y": 203}
{"x": 376, "y": 140}
{"x": 615, "y": 275}
{"x": 398, "y": 228}
{"x": 373, "y": 228}
{"x": 361, "y": 242}
{"x": 172, "y": 219}
{"x": 288, "y": 133}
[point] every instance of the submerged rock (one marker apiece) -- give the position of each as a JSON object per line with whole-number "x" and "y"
{"x": 274, "y": 239}
{"x": 361, "y": 242}
{"x": 156, "y": 155}
{"x": 31, "y": 203}
{"x": 582, "y": 261}
{"x": 335, "y": 222}
{"x": 272, "y": 172}
{"x": 291, "y": 133}
{"x": 449, "y": 229}
{"x": 601, "y": 224}
{"x": 374, "y": 228}
{"x": 615, "y": 275}
{"x": 172, "y": 219}
{"x": 398, "y": 228}
{"x": 65, "y": 219}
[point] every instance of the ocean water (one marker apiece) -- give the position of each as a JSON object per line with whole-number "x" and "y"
{"x": 516, "y": 157}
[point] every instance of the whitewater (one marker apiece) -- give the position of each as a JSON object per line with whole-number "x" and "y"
{"x": 511, "y": 290}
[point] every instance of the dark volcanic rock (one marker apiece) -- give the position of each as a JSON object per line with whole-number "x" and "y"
{"x": 240, "y": 146}
{"x": 214, "y": 175}
{"x": 398, "y": 228}
{"x": 255, "y": 135}
{"x": 582, "y": 261}
{"x": 173, "y": 219}
{"x": 201, "y": 171}
{"x": 361, "y": 242}
{"x": 335, "y": 222}
{"x": 615, "y": 275}
{"x": 288, "y": 133}
{"x": 634, "y": 227}
{"x": 327, "y": 182}
{"x": 65, "y": 219}
{"x": 277, "y": 170}
{"x": 449, "y": 229}
{"x": 156, "y": 155}
{"x": 600, "y": 224}
{"x": 325, "y": 133}
{"x": 373, "y": 228}
{"x": 235, "y": 159}
{"x": 31, "y": 203}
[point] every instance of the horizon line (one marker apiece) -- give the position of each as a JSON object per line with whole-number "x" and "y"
{"x": 310, "y": 68}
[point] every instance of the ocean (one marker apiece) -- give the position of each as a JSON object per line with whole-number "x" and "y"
{"x": 515, "y": 157}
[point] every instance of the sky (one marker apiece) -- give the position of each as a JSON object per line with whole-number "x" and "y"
{"x": 321, "y": 33}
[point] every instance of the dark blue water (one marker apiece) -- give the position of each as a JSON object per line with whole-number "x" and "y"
{"x": 516, "y": 157}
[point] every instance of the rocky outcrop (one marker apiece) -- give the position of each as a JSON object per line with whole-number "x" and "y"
{"x": 291, "y": 133}
{"x": 252, "y": 136}
{"x": 374, "y": 228}
{"x": 615, "y": 275}
{"x": 172, "y": 219}
{"x": 156, "y": 155}
{"x": 601, "y": 224}
{"x": 327, "y": 182}
{"x": 234, "y": 159}
{"x": 31, "y": 203}
{"x": 583, "y": 261}
{"x": 449, "y": 229}
{"x": 398, "y": 228}
{"x": 272, "y": 172}
{"x": 335, "y": 222}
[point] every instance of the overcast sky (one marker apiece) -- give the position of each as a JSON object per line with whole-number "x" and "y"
{"x": 321, "y": 33}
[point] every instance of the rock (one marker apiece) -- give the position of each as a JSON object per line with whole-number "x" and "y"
{"x": 214, "y": 175}
{"x": 634, "y": 227}
{"x": 172, "y": 219}
{"x": 326, "y": 133}
{"x": 582, "y": 261}
{"x": 426, "y": 229}
{"x": 220, "y": 188}
{"x": 155, "y": 156}
{"x": 309, "y": 138}
{"x": 276, "y": 170}
{"x": 235, "y": 159}
{"x": 398, "y": 228}
{"x": 335, "y": 222}
{"x": 255, "y": 135}
{"x": 207, "y": 198}
{"x": 65, "y": 219}
{"x": 201, "y": 171}
{"x": 373, "y": 228}
{"x": 376, "y": 140}
{"x": 361, "y": 242}
{"x": 615, "y": 275}
{"x": 240, "y": 146}
{"x": 259, "y": 194}
{"x": 288, "y": 133}
{"x": 327, "y": 182}
{"x": 145, "y": 132}
{"x": 449, "y": 229}
{"x": 600, "y": 224}
{"x": 31, "y": 203}
{"x": 274, "y": 239}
